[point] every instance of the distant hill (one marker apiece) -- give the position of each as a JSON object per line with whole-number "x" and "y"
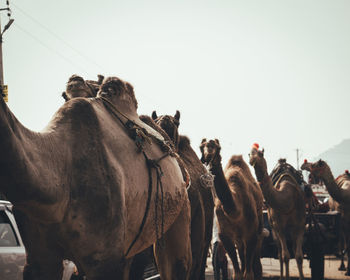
{"x": 338, "y": 157}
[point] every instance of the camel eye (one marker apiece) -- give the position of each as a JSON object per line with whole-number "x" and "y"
{"x": 110, "y": 90}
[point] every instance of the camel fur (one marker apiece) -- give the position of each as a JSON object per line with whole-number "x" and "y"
{"x": 238, "y": 209}
{"x": 201, "y": 199}
{"x": 80, "y": 188}
{"x": 78, "y": 87}
{"x": 286, "y": 210}
{"x": 339, "y": 190}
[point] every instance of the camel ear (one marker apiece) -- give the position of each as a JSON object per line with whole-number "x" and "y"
{"x": 201, "y": 146}
{"x": 177, "y": 115}
{"x": 154, "y": 115}
{"x": 262, "y": 151}
{"x": 100, "y": 79}
{"x": 64, "y": 95}
{"x": 217, "y": 143}
{"x": 130, "y": 88}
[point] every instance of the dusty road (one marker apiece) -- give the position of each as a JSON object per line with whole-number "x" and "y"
{"x": 271, "y": 269}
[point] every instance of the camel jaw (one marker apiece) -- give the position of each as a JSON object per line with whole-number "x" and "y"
{"x": 252, "y": 162}
{"x": 306, "y": 166}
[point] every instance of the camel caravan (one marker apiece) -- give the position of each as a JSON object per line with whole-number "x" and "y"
{"x": 109, "y": 189}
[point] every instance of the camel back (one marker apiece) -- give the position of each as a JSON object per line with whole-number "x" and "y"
{"x": 341, "y": 179}
{"x": 283, "y": 169}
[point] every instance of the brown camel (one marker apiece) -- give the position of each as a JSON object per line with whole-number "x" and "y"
{"x": 78, "y": 87}
{"x": 238, "y": 209}
{"x": 201, "y": 199}
{"x": 89, "y": 189}
{"x": 286, "y": 206}
{"x": 339, "y": 190}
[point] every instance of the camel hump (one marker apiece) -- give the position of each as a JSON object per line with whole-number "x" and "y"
{"x": 236, "y": 160}
{"x": 74, "y": 111}
{"x": 184, "y": 141}
{"x": 77, "y": 104}
{"x": 235, "y": 177}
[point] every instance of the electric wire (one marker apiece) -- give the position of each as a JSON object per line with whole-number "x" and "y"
{"x": 49, "y": 48}
{"x": 150, "y": 100}
{"x": 59, "y": 38}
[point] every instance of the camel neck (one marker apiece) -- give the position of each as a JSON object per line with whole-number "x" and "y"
{"x": 336, "y": 192}
{"x": 22, "y": 170}
{"x": 222, "y": 189}
{"x": 271, "y": 195}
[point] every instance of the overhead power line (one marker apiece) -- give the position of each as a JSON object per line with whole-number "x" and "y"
{"x": 49, "y": 48}
{"x": 59, "y": 38}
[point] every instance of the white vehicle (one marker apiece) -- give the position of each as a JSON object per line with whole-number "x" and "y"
{"x": 12, "y": 251}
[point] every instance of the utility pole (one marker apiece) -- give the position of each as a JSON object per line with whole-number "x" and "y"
{"x": 3, "y": 87}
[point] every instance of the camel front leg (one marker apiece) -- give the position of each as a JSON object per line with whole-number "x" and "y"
{"x": 231, "y": 251}
{"x": 250, "y": 252}
{"x": 279, "y": 248}
{"x": 342, "y": 252}
{"x": 173, "y": 251}
{"x": 299, "y": 254}
{"x": 43, "y": 269}
{"x": 347, "y": 252}
{"x": 257, "y": 267}
{"x": 285, "y": 254}
{"x": 197, "y": 241}
{"x": 109, "y": 267}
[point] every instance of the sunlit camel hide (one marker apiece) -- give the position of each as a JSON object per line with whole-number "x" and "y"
{"x": 80, "y": 189}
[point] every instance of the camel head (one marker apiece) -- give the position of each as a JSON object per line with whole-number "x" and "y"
{"x": 78, "y": 87}
{"x": 317, "y": 170}
{"x": 306, "y": 166}
{"x": 210, "y": 151}
{"x": 170, "y": 124}
{"x": 116, "y": 90}
{"x": 255, "y": 155}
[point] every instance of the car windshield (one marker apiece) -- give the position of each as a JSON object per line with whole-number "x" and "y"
{"x": 7, "y": 235}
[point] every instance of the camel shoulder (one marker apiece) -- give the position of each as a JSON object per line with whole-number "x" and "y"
{"x": 184, "y": 142}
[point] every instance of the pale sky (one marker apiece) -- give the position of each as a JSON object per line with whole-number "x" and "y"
{"x": 273, "y": 72}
